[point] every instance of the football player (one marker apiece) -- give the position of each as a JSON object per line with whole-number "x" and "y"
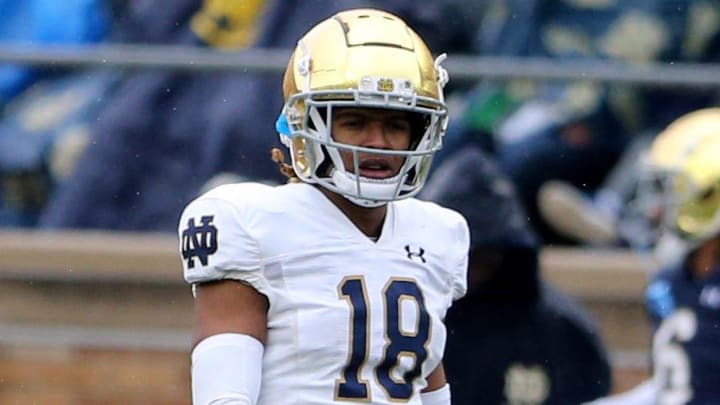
{"x": 333, "y": 288}
{"x": 683, "y": 298}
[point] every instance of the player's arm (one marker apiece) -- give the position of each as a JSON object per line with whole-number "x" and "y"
{"x": 221, "y": 260}
{"x": 437, "y": 391}
{"x": 229, "y": 333}
{"x": 229, "y": 306}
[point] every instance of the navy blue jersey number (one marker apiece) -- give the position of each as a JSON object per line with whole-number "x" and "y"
{"x": 350, "y": 386}
{"x": 399, "y": 343}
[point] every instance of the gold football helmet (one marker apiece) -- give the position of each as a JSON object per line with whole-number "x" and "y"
{"x": 697, "y": 192}
{"x": 685, "y": 157}
{"x": 361, "y": 58}
{"x": 672, "y": 146}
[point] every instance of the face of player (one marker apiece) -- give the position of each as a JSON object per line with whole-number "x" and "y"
{"x": 706, "y": 259}
{"x": 376, "y": 129}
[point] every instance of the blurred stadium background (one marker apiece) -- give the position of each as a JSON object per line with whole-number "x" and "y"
{"x": 102, "y": 316}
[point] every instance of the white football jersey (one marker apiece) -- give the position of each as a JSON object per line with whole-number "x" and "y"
{"x": 350, "y": 319}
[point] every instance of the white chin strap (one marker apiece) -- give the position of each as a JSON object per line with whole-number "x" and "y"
{"x": 370, "y": 193}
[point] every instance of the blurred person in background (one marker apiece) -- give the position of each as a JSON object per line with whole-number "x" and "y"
{"x": 23, "y": 128}
{"x": 513, "y": 339}
{"x": 576, "y": 131}
{"x": 683, "y": 297}
{"x": 160, "y": 132}
{"x": 333, "y": 288}
{"x": 47, "y": 127}
{"x": 627, "y": 210}
{"x": 46, "y": 22}
{"x": 599, "y": 216}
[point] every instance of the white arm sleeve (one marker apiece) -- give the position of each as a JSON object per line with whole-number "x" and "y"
{"x": 226, "y": 370}
{"x": 438, "y": 397}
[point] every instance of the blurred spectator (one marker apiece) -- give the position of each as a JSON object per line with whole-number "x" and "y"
{"x": 160, "y": 133}
{"x": 46, "y": 22}
{"x": 47, "y": 127}
{"x": 619, "y": 212}
{"x": 31, "y": 118}
{"x": 513, "y": 339}
{"x": 164, "y": 134}
{"x": 42, "y": 134}
{"x": 576, "y": 131}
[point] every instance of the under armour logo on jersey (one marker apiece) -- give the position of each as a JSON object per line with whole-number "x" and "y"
{"x": 199, "y": 241}
{"x": 415, "y": 255}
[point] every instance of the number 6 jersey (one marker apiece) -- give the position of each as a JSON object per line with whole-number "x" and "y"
{"x": 685, "y": 312}
{"x": 350, "y": 319}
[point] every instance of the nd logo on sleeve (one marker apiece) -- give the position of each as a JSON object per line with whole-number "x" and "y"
{"x": 199, "y": 241}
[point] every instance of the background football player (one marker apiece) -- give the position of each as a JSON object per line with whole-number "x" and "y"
{"x": 683, "y": 298}
{"x": 333, "y": 288}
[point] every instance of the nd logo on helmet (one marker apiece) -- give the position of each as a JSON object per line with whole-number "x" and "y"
{"x": 386, "y": 85}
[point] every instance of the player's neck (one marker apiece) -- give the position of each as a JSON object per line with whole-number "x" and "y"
{"x": 369, "y": 220}
{"x": 705, "y": 259}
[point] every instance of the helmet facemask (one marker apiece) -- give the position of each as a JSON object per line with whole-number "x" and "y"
{"x": 317, "y": 156}
{"x": 651, "y": 207}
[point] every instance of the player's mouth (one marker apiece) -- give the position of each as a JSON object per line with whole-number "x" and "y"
{"x": 376, "y": 168}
